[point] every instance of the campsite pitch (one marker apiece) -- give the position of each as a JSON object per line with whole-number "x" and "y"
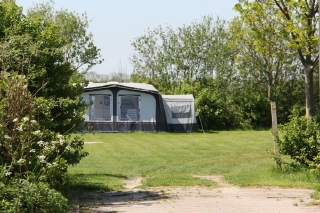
{"x": 194, "y": 172}
{"x": 224, "y": 198}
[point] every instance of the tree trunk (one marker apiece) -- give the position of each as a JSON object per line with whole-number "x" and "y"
{"x": 310, "y": 107}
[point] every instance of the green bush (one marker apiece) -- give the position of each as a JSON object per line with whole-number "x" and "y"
{"x": 33, "y": 159}
{"x": 299, "y": 139}
{"x": 27, "y": 149}
{"x": 18, "y": 195}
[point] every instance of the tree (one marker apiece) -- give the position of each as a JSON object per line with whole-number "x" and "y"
{"x": 299, "y": 24}
{"x": 92, "y": 76}
{"x": 200, "y": 59}
{"x": 42, "y": 56}
{"x": 33, "y": 159}
{"x": 264, "y": 54}
{"x": 168, "y": 57}
{"x": 194, "y": 59}
{"x": 63, "y": 48}
{"x": 11, "y": 14}
{"x": 47, "y": 49}
{"x": 120, "y": 75}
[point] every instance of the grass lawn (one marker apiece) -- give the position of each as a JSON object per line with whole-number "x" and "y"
{"x": 172, "y": 159}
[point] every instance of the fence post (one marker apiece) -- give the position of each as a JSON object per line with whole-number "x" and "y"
{"x": 275, "y": 133}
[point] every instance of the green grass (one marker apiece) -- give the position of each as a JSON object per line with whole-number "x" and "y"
{"x": 172, "y": 159}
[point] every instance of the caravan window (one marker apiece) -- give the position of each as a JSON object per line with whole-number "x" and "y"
{"x": 180, "y": 109}
{"x": 129, "y": 109}
{"x": 100, "y": 109}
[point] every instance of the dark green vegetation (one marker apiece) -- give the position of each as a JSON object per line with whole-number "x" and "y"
{"x": 269, "y": 53}
{"x": 42, "y": 54}
{"x": 170, "y": 159}
{"x": 300, "y": 141}
{"x": 235, "y": 69}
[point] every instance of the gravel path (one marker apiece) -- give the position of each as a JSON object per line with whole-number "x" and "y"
{"x": 225, "y": 198}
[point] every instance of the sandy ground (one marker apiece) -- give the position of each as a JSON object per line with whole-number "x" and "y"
{"x": 225, "y": 198}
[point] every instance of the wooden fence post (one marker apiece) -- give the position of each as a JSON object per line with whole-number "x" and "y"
{"x": 275, "y": 133}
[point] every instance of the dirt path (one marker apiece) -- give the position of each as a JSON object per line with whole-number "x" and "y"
{"x": 225, "y": 198}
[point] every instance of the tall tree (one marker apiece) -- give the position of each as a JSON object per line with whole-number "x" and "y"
{"x": 168, "y": 57}
{"x": 264, "y": 54}
{"x": 299, "y": 19}
{"x": 63, "y": 50}
{"x": 301, "y": 22}
{"x": 41, "y": 54}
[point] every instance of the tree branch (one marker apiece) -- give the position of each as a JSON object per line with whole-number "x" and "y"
{"x": 316, "y": 61}
{"x": 283, "y": 8}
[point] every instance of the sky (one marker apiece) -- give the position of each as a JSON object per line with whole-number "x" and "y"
{"x": 116, "y": 23}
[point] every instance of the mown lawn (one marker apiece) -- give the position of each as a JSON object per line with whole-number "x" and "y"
{"x": 172, "y": 159}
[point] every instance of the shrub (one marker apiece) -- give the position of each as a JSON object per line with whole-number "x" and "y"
{"x": 299, "y": 139}
{"x": 27, "y": 149}
{"x": 33, "y": 159}
{"x": 19, "y": 195}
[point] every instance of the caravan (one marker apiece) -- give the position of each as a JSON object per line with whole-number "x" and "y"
{"x": 122, "y": 107}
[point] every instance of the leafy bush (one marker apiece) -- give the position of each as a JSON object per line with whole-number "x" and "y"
{"x": 27, "y": 149}
{"x": 19, "y": 195}
{"x": 41, "y": 54}
{"x": 300, "y": 140}
{"x": 33, "y": 159}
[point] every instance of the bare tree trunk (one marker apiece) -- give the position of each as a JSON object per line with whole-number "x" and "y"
{"x": 270, "y": 91}
{"x": 310, "y": 107}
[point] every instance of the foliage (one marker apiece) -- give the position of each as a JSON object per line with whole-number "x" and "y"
{"x": 53, "y": 48}
{"x": 297, "y": 31}
{"x": 27, "y": 149}
{"x": 42, "y": 55}
{"x": 120, "y": 76}
{"x": 33, "y": 159}
{"x": 198, "y": 59}
{"x": 300, "y": 140}
{"x": 20, "y": 196}
{"x": 232, "y": 69}
{"x": 168, "y": 57}
{"x": 92, "y": 76}
{"x": 265, "y": 59}
{"x": 214, "y": 103}
{"x": 264, "y": 54}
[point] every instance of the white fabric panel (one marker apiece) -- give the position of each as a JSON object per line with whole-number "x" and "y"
{"x": 100, "y": 109}
{"x": 86, "y": 97}
{"x": 147, "y": 105}
{"x": 187, "y": 97}
{"x": 179, "y": 109}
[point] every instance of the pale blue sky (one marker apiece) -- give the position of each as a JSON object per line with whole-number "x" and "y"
{"x": 116, "y": 23}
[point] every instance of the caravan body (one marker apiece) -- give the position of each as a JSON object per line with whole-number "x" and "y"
{"x": 122, "y": 107}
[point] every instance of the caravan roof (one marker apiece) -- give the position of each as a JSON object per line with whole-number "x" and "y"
{"x": 187, "y": 97}
{"x": 133, "y": 86}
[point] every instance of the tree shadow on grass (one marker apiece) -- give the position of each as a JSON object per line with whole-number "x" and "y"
{"x": 209, "y": 132}
{"x": 87, "y": 182}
